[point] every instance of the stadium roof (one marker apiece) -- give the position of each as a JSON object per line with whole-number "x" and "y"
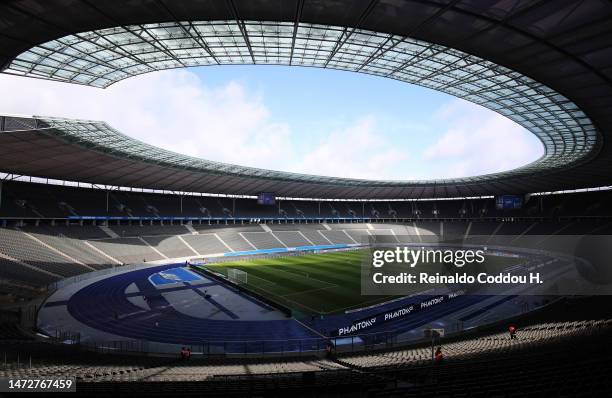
{"x": 545, "y": 65}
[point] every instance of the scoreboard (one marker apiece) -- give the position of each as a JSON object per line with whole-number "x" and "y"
{"x": 266, "y": 199}
{"x": 508, "y": 202}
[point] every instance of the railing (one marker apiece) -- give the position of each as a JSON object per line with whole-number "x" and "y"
{"x": 115, "y": 269}
{"x": 261, "y": 348}
{"x": 387, "y": 340}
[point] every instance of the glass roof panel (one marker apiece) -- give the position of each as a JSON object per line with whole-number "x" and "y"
{"x": 101, "y": 58}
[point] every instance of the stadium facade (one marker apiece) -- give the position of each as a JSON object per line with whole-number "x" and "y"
{"x": 107, "y": 269}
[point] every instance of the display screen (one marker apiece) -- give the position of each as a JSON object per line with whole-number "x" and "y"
{"x": 266, "y": 198}
{"x": 506, "y": 202}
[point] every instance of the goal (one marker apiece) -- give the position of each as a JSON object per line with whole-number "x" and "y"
{"x": 237, "y": 276}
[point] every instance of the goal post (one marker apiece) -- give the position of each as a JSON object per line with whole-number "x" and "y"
{"x": 237, "y": 276}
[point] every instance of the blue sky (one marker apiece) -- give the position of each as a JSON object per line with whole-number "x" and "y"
{"x": 316, "y": 102}
{"x": 305, "y": 120}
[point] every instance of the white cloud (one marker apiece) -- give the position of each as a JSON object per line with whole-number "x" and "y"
{"x": 178, "y": 111}
{"x": 175, "y": 110}
{"x": 172, "y": 109}
{"x": 357, "y": 151}
{"x": 479, "y": 142}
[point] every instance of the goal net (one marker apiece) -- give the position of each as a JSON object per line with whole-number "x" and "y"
{"x": 237, "y": 276}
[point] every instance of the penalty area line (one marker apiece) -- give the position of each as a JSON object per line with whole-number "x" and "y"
{"x": 302, "y": 275}
{"x": 274, "y": 295}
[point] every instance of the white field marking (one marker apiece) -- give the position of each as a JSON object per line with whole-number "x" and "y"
{"x": 369, "y": 226}
{"x": 417, "y": 232}
{"x": 249, "y": 276}
{"x": 275, "y": 237}
{"x": 350, "y": 237}
{"x": 467, "y": 231}
{"x": 53, "y": 249}
{"x": 309, "y": 328}
{"x": 223, "y": 242}
{"x": 304, "y": 236}
{"x": 129, "y": 314}
{"x": 152, "y": 248}
{"x": 294, "y": 273}
{"x": 153, "y": 315}
{"x": 247, "y": 241}
{"x": 347, "y": 264}
{"x": 325, "y": 237}
{"x": 312, "y": 309}
{"x": 291, "y": 301}
{"x": 102, "y": 253}
{"x": 327, "y": 227}
{"x": 30, "y": 266}
{"x": 188, "y": 245}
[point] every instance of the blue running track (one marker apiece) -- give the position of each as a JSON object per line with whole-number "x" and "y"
{"x": 104, "y": 305}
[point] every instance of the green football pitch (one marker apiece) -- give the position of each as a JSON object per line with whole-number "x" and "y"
{"x": 322, "y": 283}
{"x": 312, "y": 284}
